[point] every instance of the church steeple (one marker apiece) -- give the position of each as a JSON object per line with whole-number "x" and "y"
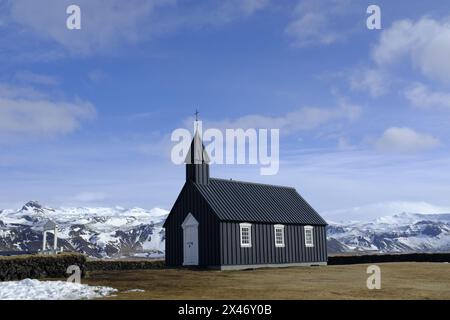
{"x": 197, "y": 161}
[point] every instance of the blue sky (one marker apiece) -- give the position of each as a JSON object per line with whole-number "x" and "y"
{"x": 86, "y": 115}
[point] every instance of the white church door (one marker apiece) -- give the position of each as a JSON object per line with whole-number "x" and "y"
{"x": 190, "y": 238}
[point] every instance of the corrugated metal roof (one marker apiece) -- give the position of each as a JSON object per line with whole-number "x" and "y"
{"x": 253, "y": 202}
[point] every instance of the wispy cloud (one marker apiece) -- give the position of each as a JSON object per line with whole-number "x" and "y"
{"x": 104, "y": 23}
{"x": 421, "y": 96}
{"x": 313, "y": 22}
{"x": 29, "y": 112}
{"x": 107, "y": 24}
{"x": 251, "y": 6}
{"x": 405, "y": 140}
{"x": 375, "y": 81}
{"x": 301, "y": 119}
{"x": 36, "y": 78}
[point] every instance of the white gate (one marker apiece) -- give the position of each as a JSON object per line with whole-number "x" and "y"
{"x": 190, "y": 239}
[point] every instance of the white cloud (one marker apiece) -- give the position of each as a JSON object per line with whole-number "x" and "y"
{"x": 14, "y": 92}
{"x": 426, "y": 43}
{"x": 222, "y": 11}
{"x": 27, "y": 112}
{"x": 251, "y": 6}
{"x": 405, "y": 140}
{"x": 203, "y": 14}
{"x": 421, "y": 96}
{"x": 211, "y": 13}
{"x": 305, "y": 118}
{"x": 36, "y": 78}
{"x": 105, "y": 24}
{"x": 375, "y": 81}
{"x": 425, "y": 46}
{"x": 311, "y": 28}
{"x": 313, "y": 23}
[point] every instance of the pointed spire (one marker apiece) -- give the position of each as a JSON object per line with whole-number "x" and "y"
{"x": 197, "y": 153}
{"x": 197, "y": 159}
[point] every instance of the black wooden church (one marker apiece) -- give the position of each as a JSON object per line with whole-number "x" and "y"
{"x": 229, "y": 224}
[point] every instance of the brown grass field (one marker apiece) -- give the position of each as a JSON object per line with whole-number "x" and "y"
{"x": 398, "y": 281}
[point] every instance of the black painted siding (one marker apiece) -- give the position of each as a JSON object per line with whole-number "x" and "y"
{"x": 198, "y": 173}
{"x": 190, "y": 201}
{"x": 219, "y": 242}
{"x": 263, "y": 250}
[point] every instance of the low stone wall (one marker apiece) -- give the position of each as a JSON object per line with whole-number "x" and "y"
{"x": 110, "y": 265}
{"x": 380, "y": 258}
{"x": 39, "y": 266}
{"x": 55, "y": 266}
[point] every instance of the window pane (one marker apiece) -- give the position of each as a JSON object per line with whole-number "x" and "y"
{"x": 279, "y": 236}
{"x": 245, "y": 236}
{"x": 308, "y": 237}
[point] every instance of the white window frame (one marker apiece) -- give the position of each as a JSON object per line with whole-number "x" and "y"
{"x": 309, "y": 229}
{"x": 247, "y": 226}
{"x": 275, "y": 228}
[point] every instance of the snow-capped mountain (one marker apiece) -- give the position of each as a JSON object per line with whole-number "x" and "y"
{"x": 121, "y": 233}
{"x": 98, "y": 232}
{"x": 405, "y": 232}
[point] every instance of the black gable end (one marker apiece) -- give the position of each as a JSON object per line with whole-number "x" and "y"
{"x": 180, "y": 195}
{"x": 188, "y": 199}
{"x": 191, "y": 201}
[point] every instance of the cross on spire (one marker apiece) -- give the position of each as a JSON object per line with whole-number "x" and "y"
{"x": 196, "y": 115}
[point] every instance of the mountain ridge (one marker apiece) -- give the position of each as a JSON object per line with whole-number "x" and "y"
{"x": 399, "y": 233}
{"x": 116, "y": 232}
{"x": 99, "y": 232}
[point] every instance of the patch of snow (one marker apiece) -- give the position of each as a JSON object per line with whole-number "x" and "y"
{"x": 135, "y": 290}
{"x": 31, "y": 289}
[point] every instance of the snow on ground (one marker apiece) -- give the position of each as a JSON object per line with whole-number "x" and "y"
{"x": 30, "y": 289}
{"x": 135, "y": 290}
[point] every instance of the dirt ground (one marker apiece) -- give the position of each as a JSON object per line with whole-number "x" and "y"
{"x": 398, "y": 281}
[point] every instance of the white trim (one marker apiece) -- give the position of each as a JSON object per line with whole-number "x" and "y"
{"x": 275, "y": 228}
{"x": 189, "y": 221}
{"x": 247, "y": 226}
{"x": 309, "y": 229}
